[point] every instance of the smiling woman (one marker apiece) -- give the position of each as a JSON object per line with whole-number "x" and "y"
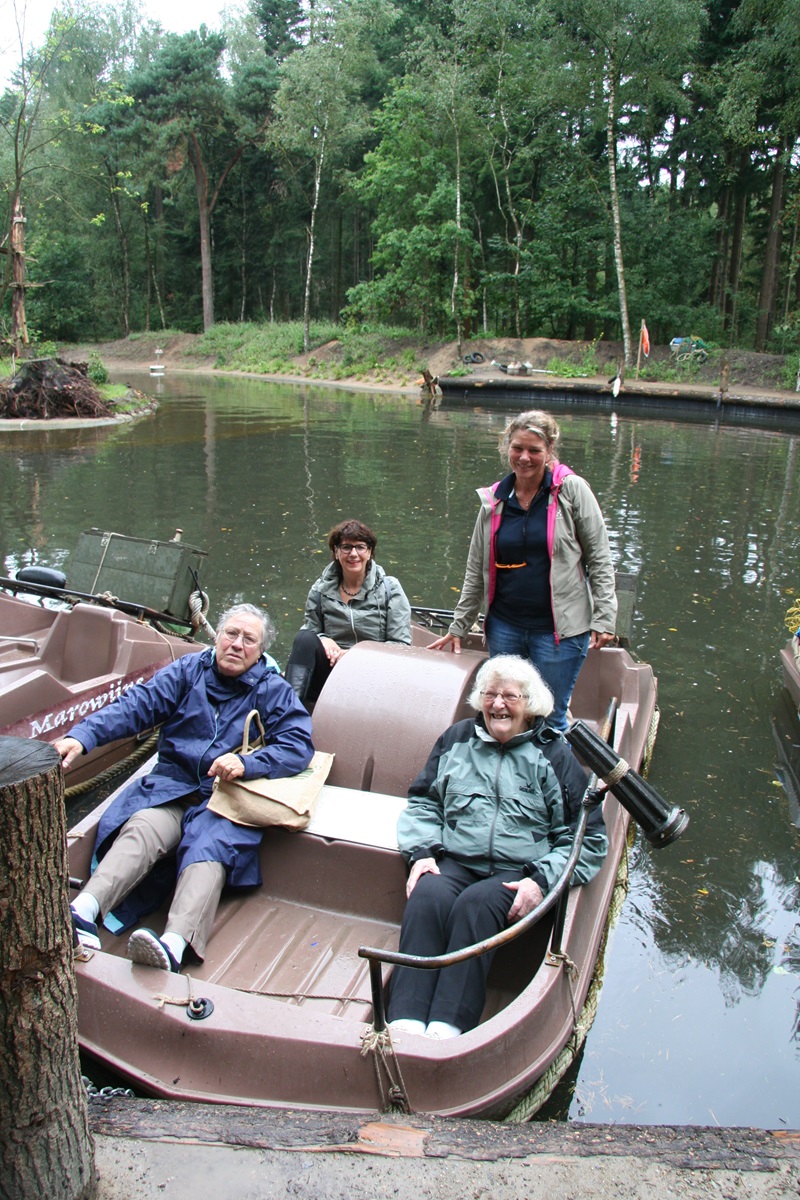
{"x": 539, "y": 563}
{"x": 487, "y": 831}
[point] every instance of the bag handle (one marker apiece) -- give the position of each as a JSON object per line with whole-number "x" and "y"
{"x": 262, "y": 737}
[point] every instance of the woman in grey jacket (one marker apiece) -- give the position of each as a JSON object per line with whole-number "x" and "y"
{"x": 487, "y": 832}
{"x": 539, "y": 563}
{"x": 354, "y": 600}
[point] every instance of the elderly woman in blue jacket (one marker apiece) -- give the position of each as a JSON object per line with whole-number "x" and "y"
{"x": 160, "y": 825}
{"x": 487, "y": 832}
{"x": 354, "y": 600}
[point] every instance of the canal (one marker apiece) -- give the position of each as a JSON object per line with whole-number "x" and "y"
{"x": 699, "y": 1017}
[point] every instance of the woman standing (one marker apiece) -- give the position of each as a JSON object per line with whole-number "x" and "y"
{"x": 354, "y": 600}
{"x": 539, "y": 563}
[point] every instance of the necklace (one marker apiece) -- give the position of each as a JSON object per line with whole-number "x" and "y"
{"x": 350, "y": 594}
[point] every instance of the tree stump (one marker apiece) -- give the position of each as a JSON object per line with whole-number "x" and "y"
{"x": 45, "y": 1146}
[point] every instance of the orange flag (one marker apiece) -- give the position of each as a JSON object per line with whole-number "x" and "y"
{"x": 645, "y": 340}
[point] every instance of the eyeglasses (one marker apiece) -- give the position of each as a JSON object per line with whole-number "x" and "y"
{"x": 349, "y": 547}
{"x": 509, "y": 697}
{"x": 248, "y": 639}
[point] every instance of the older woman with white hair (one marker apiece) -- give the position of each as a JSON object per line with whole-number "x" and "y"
{"x": 539, "y": 563}
{"x": 487, "y": 831}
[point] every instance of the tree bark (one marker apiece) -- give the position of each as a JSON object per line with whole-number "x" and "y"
{"x": 19, "y": 327}
{"x": 611, "y": 137}
{"x": 45, "y": 1146}
{"x": 772, "y": 256}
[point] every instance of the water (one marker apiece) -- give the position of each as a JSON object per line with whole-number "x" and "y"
{"x": 698, "y": 1018}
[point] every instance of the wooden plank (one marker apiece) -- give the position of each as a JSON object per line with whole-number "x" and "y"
{"x": 685, "y": 1147}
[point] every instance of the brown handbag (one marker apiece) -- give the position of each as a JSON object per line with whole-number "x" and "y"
{"x": 290, "y": 801}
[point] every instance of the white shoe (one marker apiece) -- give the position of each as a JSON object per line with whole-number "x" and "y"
{"x": 408, "y": 1025}
{"x": 441, "y": 1030}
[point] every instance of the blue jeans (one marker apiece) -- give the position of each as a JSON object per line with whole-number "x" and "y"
{"x": 558, "y": 663}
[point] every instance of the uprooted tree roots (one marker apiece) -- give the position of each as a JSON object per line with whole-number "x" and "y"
{"x": 48, "y": 388}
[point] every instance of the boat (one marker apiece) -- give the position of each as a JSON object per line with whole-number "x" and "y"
{"x": 59, "y": 663}
{"x": 285, "y": 1011}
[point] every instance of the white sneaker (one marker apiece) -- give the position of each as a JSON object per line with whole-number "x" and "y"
{"x": 441, "y": 1030}
{"x": 408, "y": 1025}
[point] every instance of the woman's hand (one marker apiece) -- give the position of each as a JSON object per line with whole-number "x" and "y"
{"x": 529, "y": 894}
{"x": 421, "y": 867}
{"x": 227, "y": 766}
{"x": 333, "y": 650}
{"x": 69, "y": 749}
{"x": 450, "y": 640}
{"x": 597, "y": 640}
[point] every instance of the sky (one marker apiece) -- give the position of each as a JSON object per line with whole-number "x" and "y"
{"x": 177, "y": 16}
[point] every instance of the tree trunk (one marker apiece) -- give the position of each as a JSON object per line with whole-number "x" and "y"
{"x": 204, "y": 217}
{"x": 19, "y": 327}
{"x": 772, "y": 256}
{"x": 311, "y": 236}
{"x": 45, "y": 1146}
{"x": 612, "y": 177}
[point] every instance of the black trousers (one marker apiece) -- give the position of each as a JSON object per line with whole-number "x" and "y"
{"x": 308, "y": 666}
{"x": 447, "y": 912}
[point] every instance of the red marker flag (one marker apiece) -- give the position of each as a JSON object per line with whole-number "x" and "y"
{"x": 645, "y": 341}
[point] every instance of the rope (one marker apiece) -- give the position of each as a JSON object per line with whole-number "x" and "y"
{"x": 793, "y": 618}
{"x": 394, "y": 1096}
{"x": 198, "y": 607}
{"x": 161, "y": 998}
{"x": 562, "y": 959}
{"x": 125, "y": 764}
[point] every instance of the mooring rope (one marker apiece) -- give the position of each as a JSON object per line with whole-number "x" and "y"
{"x": 393, "y": 1096}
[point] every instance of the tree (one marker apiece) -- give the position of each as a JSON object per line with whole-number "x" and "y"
{"x": 621, "y": 44}
{"x": 45, "y": 1146}
{"x": 31, "y": 127}
{"x": 184, "y": 106}
{"x": 319, "y": 111}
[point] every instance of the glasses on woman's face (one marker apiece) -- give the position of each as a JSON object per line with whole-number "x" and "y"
{"x": 509, "y": 697}
{"x": 248, "y": 639}
{"x": 350, "y": 547}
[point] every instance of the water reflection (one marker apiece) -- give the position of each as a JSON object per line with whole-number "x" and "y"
{"x": 698, "y": 1020}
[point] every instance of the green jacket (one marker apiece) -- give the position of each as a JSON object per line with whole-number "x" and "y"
{"x": 496, "y": 807}
{"x": 379, "y": 613}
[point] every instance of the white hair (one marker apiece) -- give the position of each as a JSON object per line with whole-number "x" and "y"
{"x": 513, "y": 669}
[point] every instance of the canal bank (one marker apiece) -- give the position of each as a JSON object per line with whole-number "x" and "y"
{"x": 180, "y": 1151}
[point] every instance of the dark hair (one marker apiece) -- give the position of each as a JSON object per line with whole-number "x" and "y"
{"x": 353, "y": 531}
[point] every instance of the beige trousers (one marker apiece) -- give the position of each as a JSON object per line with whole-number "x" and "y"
{"x": 151, "y": 834}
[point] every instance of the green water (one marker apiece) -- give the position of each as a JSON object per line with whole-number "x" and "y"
{"x": 698, "y": 1018}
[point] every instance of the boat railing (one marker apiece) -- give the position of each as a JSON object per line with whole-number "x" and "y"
{"x": 556, "y": 898}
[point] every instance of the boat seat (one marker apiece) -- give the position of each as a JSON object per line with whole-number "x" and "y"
{"x": 90, "y": 648}
{"x": 380, "y": 745}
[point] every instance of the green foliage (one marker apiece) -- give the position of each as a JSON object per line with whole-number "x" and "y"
{"x": 98, "y": 373}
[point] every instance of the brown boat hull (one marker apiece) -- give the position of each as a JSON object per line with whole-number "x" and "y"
{"x": 58, "y": 665}
{"x": 291, "y": 996}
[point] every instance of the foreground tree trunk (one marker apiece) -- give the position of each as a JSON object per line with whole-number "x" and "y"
{"x": 19, "y": 325}
{"x": 45, "y": 1146}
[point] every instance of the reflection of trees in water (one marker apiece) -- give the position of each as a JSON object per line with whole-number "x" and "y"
{"x": 724, "y": 918}
{"x": 791, "y": 962}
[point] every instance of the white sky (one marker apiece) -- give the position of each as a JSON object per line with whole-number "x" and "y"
{"x": 177, "y": 16}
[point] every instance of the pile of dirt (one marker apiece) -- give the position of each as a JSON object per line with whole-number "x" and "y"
{"x": 50, "y": 388}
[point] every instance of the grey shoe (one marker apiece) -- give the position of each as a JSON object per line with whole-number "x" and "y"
{"x": 84, "y": 931}
{"x": 146, "y": 947}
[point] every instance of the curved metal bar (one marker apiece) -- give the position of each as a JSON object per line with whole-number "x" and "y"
{"x": 436, "y": 962}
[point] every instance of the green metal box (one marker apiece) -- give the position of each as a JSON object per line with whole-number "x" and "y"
{"x": 152, "y": 573}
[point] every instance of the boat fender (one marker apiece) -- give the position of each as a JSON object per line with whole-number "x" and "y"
{"x": 199, "y": 1007}
{"x": 48, "y": 576}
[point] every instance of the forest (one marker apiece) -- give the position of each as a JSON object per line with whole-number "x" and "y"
{"x": 524, "y": 168}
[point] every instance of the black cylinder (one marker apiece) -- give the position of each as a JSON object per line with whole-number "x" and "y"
{"x": 660, "y": 823}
